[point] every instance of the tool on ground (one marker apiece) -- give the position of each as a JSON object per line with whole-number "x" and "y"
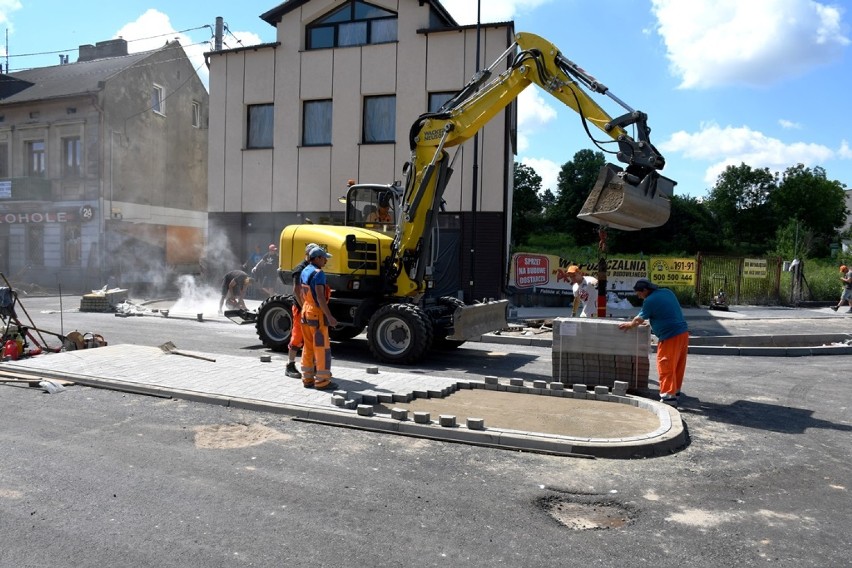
{"x": 169, "y": 347}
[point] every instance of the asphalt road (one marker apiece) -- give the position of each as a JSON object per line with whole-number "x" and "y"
{"x": 92, "y": 477}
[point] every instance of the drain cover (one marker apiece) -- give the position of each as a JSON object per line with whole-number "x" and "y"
{"x": 581, "y": 516}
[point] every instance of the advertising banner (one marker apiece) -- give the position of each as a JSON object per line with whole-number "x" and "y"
{"x": 670, "y": 272}
{"x": 548, "y": 274}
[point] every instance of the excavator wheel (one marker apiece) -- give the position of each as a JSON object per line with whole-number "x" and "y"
{"x": 399, "y": 334}
{"x": 275, "y": 322}
{"x": 441, "y": 341}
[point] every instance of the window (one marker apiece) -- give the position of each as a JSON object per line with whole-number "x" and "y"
{"x": 73, "y": 244}
{"x": 379, "y": 119}
{"x": 437, "y": 100}
{"x": 259, "y": 126}
{"x": 35, "y": 158}
{"x": 158, "y": 100}
{"x": 316, "y": 123}
{"x": 35, "y": 244}
{"x": 196, "y": 114}
{"x": 354, "y": 23}
{"x": 72, "y": 156}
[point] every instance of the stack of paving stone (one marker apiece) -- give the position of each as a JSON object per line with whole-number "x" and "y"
{"x": 103, "y": 301}
{"x": 595, "y": 352}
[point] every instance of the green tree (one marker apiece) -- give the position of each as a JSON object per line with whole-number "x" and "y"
{"x": 526, "y": 204}
{"x": 690, "y": 228}
{"x": 805, "y": 196}
{"x": 740, "y": 205}
{"x": 575, "y": 182}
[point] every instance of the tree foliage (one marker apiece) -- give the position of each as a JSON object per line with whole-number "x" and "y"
{"x": 575, "y": 182}
{"x": 527, "y": 205}
{"x": 749, "y": 211}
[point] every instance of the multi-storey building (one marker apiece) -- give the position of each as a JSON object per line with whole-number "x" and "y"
{"x": 103, "y": 168}
{"x": 332, "y": 99}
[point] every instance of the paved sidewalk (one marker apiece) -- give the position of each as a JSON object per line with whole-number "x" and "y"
{"x": 247, "y": 382}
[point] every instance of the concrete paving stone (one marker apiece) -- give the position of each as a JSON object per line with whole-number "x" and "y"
{"x": 516, "y": 382}
{"x": 447, "y": 420}
{"x": 365, "y": 409}
{"x": 476, "y": 423}
{"x": 491, "y": 380}
{"x": 422, "y": 417}
{"x": 513, "y": 388}
{"x": 556, "y": 385}
{"x": 399, "y": 413}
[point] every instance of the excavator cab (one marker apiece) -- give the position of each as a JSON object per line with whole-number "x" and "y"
{"x": 622, "y": 200}
{"x": 373, "y": 206}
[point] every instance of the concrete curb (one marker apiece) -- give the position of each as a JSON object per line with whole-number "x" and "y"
{"x": 668, "y": 437}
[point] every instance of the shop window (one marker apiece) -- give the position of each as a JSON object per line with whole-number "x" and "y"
{"x": 73, "y": 244}
{"x": 35, "y": 245}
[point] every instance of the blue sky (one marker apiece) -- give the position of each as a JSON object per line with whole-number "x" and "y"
{"x": 764, "y": 82}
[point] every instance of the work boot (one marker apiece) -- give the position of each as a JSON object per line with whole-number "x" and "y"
{"x": 292, "y": 372}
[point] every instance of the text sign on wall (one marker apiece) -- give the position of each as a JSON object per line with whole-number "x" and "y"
{"x": 673, "y": 271}
{"x": 754, "y": 268}
{"x": 531, "y": 270}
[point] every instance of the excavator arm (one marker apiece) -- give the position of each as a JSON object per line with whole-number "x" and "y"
{"x": 634, "y": 198}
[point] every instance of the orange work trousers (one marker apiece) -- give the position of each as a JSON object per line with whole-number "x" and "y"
{"x": 316, "y": 352}
{"x": 296, "y": 340}
{"x": 671, "y": 363}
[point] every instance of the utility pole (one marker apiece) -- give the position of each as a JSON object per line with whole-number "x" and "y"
{"x": 474, "y": 187}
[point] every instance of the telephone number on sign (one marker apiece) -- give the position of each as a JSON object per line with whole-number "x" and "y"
{"x": 673, "y": 277}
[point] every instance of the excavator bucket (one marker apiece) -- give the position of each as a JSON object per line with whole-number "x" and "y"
{"x": 470, "y": 322}
{"x": 622, "y": 201}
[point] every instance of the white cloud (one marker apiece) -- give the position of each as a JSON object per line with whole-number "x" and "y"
{"x": 547, "y": 169}
{"x": 464, "y": 11}
{"x": 152, "y": 29}
{"x": 714, "y": 43}
{"x": 7, "y": 6}
{"x": 844, "y": 152}
{"x": 533, "y": 113}
{"x": 735, "y": 145}
{"x": 789, "y": 124}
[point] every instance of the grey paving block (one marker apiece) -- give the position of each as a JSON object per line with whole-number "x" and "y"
{"x": 557, "y": 386}
{"x": 447, "y": 420}
{"x": 399, "y": 414}
{"x": 422, "y": 417}
{"x": 491, "y": 380}
{"x": 516, "y": 382}
{"x": 476, "y": 423}
{"x": 539, "y": 384}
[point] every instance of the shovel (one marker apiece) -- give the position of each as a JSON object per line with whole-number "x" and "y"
{"x": 169, "y": 347}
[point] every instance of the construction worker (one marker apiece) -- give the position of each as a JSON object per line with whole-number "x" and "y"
{"x": 585, "y": 289}
{"x": 296, "y": 341}
{"x": 316, "y": 319}
{"x": 234, "y": 287}
{"x": 383, "y": 215}
{"x": 661, "y": 308}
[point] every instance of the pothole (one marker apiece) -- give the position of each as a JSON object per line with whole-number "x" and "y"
{"x": 584, "y": 516}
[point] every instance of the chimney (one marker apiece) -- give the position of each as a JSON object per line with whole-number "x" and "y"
{"x": 219, "y": 32}
{"x": 102, "y": 50}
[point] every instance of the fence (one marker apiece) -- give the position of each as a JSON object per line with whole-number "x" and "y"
{"x": 744, "y": 280}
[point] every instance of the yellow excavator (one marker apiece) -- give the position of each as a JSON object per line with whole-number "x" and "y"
{"x": 381, "y": 265}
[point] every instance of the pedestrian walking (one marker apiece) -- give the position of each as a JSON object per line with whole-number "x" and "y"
{"x": 316, "y": 319}
{"x": 585, "y": 289}
{"x": 296, "y": 337}
{"x": 846, "y": 292}
{"x": 661, "y": 309}
{"x": 234, "y": 286}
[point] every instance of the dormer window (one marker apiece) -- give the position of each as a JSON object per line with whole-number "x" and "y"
{"x": 354, "y": 23}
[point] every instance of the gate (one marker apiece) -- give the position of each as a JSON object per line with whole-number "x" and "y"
{"x": 717, "y": 273}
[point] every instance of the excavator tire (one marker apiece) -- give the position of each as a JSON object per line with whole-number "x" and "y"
{"x": 440, "y": 341}
{"x": 399, "y": 334}
{"x": 275, "y": 322}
